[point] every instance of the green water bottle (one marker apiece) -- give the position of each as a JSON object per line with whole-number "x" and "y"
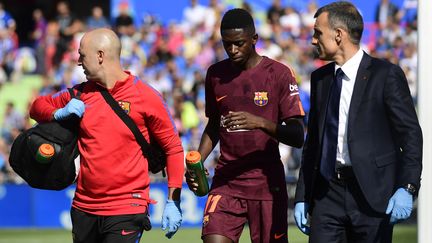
{"x": 196, "y": 170}
{"x": 45, "y": 153}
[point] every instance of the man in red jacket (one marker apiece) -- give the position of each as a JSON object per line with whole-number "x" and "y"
{"x": 112, "y": 193}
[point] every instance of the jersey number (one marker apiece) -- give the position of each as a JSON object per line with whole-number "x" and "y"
{"x": 211, "y": 203}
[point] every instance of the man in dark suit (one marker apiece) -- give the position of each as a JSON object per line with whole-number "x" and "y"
{"x": 361, "y": 163}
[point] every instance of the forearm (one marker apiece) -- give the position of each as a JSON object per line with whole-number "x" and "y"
{"x": 41, "y": 112}
{"x": 291, "y": 133}
{"x": 209, "y": 139}
{"x": 44, "y": 107}
{"x": 175, "y": 169}
{"x": 174, "y": 193}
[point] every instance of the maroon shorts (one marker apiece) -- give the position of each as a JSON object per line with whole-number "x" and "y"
{"x": 227, "y": 215}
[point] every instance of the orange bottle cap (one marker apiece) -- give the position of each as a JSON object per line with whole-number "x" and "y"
{"x": 193, "y": 157}
{"x": 46, "y": 150}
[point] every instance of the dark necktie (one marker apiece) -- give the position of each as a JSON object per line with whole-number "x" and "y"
{"x": 329, "y": 143}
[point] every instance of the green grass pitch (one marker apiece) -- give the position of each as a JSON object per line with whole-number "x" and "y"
{"x": 402, "y": 234}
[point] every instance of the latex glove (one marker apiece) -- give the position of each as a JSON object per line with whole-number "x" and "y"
{"x": 74, "y": 106}
{"x": 300, "y": 213}
{"x": 400, "y": 205}
{"x": 171, "y": 217}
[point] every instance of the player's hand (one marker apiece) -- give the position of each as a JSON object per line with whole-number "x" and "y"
{"x": 400, "y": 206}
{"x": 74, "y": 106}
{"x": 190, "y": 181}
{"x": 237, "y": 120}
{"x": 171, "y": 218}
{"x": 300, "y": 213}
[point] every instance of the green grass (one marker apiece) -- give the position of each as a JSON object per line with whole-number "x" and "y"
{"x": 402, "y": 234}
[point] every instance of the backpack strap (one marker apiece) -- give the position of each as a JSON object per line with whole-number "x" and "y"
{"x": 145, "y": 146}
{"x": 79, "y": 89}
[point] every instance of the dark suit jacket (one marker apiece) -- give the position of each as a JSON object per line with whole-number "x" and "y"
{"x": 384, "y": 136}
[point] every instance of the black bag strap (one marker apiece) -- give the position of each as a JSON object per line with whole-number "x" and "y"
{"x": 145, "y": 146}
{"x": 72, "y": 93}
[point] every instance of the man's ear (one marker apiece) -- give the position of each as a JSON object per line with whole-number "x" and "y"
{"x": 100, "y": 55}
{"x": 339, "y": 35}
{"x": 255, "y": 39}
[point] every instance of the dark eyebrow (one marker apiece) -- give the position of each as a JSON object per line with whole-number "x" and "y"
{"x": 234, "y": 41}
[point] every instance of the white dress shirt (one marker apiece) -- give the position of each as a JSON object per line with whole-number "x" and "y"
{"x": 350, "y": 69}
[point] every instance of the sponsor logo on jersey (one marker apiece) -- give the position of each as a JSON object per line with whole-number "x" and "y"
{"x": 293, "y": 89}
{"x": 260, "y": 98}
{"x": 125, "y": 105}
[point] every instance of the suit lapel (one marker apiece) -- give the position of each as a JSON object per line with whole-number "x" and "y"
{"x": 362, "y": 79}
{"x": 324, "y": 87}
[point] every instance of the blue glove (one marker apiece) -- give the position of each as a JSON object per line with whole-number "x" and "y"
{"x": 171, "y": 217}
{"x": 74, "y": 106}
{"x": 400, "y": 205}
{"x": 300, "y": 213}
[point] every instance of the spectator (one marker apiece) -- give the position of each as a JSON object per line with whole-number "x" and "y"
{"x": 124, "y": 22}
{"x": 307, "y": 18}
{"x": 40, "y": 26}
{"x": 291, "y": 21}
{"x": 274, "y": 12}
{"x": 13, "y": 123}
{"x": 386, "y": 11}
{"x": 67, "y": 28}
{"x": 194, "y": 16}
{"x": 97, "y": 19}
{"x": 38, "y": 37}
{"x": 409, "y": 11}
{"x": 7, "y": 22}
{"x": 271, "y": 49}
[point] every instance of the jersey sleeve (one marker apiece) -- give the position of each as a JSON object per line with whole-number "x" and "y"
{"x": 162, "y": 128}
{"x": 289, "y": 103}
{"x": 210, "y": 98}
{"x": 43, "y": 107}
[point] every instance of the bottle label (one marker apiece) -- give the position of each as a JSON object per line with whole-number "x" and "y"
{"x": 192, "y": 173}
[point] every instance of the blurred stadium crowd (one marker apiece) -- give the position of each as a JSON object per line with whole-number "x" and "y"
{"x": 173, "y": 57}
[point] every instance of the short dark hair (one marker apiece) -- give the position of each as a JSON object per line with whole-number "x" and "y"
{"x": 238, "y": 18}
{"x": 344, "y": 15}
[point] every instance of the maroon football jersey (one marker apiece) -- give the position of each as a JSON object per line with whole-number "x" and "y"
{"x": 249, "y": 165}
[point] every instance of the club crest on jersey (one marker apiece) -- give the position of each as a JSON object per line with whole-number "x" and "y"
{"x": 260, "y": 98}
{"x": 205, "y": 220}
{"x": 125, "y": 105}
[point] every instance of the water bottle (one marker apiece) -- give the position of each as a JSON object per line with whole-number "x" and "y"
{"x": 45, "y": 153}
{"x": 196, "y": 170}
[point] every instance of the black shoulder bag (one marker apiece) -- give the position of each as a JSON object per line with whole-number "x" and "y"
{"x": 153, "y": 152}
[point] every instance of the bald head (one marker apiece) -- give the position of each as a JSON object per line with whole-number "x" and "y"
{"x": 104, "y": 40}
{"x": 100, "y": 57}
